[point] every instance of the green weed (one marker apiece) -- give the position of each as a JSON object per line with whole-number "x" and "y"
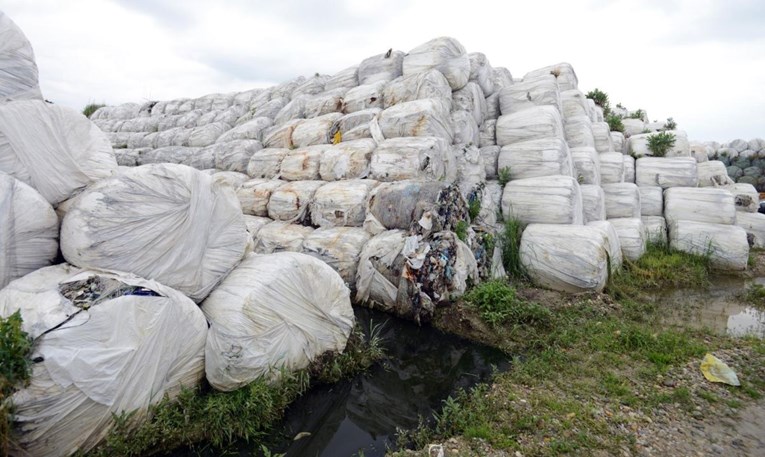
{"x": 91, "y": 108}
{"x": 661, "y": 143}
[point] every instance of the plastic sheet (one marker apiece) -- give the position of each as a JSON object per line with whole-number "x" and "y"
{"x": 254, "y": 224}
{"x": 295, "y": 109}
{"x": 713, "y": 173}
{"x": 168, "y": 223}
{"x": 274, "y": 312}
{"x": 266, "y": 163}
{"x": 347, "y": 160}
{"x": 586, "y": 165}
{"x": 55, "y": 150}
{"x": 481, "y": 72}
{"x": 471, "y": 171}
{"x": 331, "y": 101}
{"x": 415, "y": 205}
{"x": 18, "y": 70}
{"x": 365, "y": 97}
{"x": 311, "y": 86}
{"x": 230, "y": 178}
{"x": 620, "y": 144}
{"x": 314, "y": 131}
{"x": 569, "y": 258}
{"x": 537, "y": 91}
{"x": 745, "y": 197}
{"x": 28, "y": 229}
{"x": 491, "y": 204}
{"x": 536, "y": 158}
{"x": 354, "y": 126}
{"x": 235, "y": 155}
{"x": 104, "y": 344}
{"x": 471, "y": 99}
{"x": 611, "y": 168}
{"x": 563, "y": 72}
{"x": 428, "y": 117}
{"x": 338, "y": 247}
{"x": 341, "y": 203}
{"x": 444, "y": 54}
{"x": 622, "y": 200}
{"x": 574, "y": 103}
{"x": 632, "y": 236}
{"x": 754, "y": 224}
{"x": 530, "y": 124}
{"x": 397, "y": 159}
{"x": 291, "y": 201}
{"x": 302, "y": 164}
{"x": 726, "y": 245}
{"x": 593, "y": 203}
{"x": 281, "y": 236}
{"x": 347, "y": 78}
{"x": 703, "y": 204}
{"x": 632, "y": 127}
{"x": 579, "y": 133}
{"x": 613, "y": 246}
{"x": 545, "y": 200}
{"x": 655, "y": 229}
{"x": 651, "y": 201}
{"x": 382, "y": 67}
{"x": 280, "y": 136}
{"x": 629, "y": 169}
{"x": 490, "y": 155}
{"x": 419, "y": 86}
{"x": 666, "y": 172}
{"x": 602, "y": 136}
{"x": 487, "y": 135}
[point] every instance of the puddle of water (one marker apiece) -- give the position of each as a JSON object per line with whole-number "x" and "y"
{"x": 360, "y": 416}
{"x": 717, "y": 308}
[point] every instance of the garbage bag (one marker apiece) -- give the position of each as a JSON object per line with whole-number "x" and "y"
{"x": 754, "y": 224}
{"x": 713, "y": 173}
{"x": 427, "y": 117}
{"x": 538, "y": 91}
{"x": 338, "y": 247}
{"x": 291, "y": 201}
{"x": 702, "y": 204}
{"x": 530, "y": 124}
{"x": 715, "y": 370}
{"x": 266, "y": 163}
{"x": 235, "y": 155}
{"x": 280, "y": 236}
{"x": 365, "y": 97}
{"x": 622, "y": 200}
{"x": 382, "y": 67}
{"x": 397, "y": 159}
{"x": 481, "y": 72}
{"x": 745, "y": 197}
{"x": 309, "y": 132}
{"x": 613, "y": 246}
{"x": 563, "y": 72}
{"x": 586, "y": 165}
{"x": 54, "y": 149}
{"x": 254, "y": 195}
{"x": 611, "y": 167}
{"x": 471, "y": 99}
{"x": 655, "y": 229}
{"x": 274, "y": 312}
{"x": 593, "y": 203}
{"x": 341, "y": 203}
{"x": 444, "y": 54}
{"x": 666, "y": 172}
{"x": 545, "y": 200}
{"x": 168, "y": 223}
{"x": 347, "y": 160}
{"x": 28, "y": 230}
{"x": 632, "y": 236}
{"x": 568, "y": 258}
{"x": 536, "y": 158}
{"x": 105, "y": 344}
{"x": 651, "y": 201}
{"x": 303, "y": 163}
{"x": 418, "y": 86}
{"x": 18, "y": 69}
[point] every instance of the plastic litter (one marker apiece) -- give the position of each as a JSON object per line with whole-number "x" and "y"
{"x": 715, "y": 370}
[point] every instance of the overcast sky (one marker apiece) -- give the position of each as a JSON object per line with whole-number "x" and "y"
{"x": 699, "y": 61}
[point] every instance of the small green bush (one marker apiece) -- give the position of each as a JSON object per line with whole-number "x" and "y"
{"x": 670, "y": 124}
{"x": 639, "y": 114}
{"x": 461, "y": 230}
{"x": 615, "y": 123}
{"x": 504, "y": 176}
{"x": 600, "y": 98}
{"x": 510, "y": 241}
{"x": 474, "y": 208}
{"x": 661, "y": 143}
{"x": 91, "y": 108}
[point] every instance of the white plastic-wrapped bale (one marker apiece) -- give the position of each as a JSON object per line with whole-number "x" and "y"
{"x": 378, "y": 276}
{"x": 569, "y": 258}
{"x": 471, "y": 171}
{"x": 651, "y": 201}
{"x": 207, "y": 134}
{"x": 280, "y": 136}
{"x": 302, "y": 164}
{"x": 502, "y": 78}
{"x": 638, "y": 145}
{"x": 235, "y": 155}
{"x": 593, "y": 203}
{"x": 274, "y": 312}
{"x": 347, "y": 160}
{"x": 230, "y": 178}
{"x": 465, "y": 129}
{"x": 666, "y": 172}
{"x": 419, "y": 86}
{"x": 754, "y": 224}
{"x": 396, "y": 159}
{"x": 311, "y": 86}
{"x": 611, "y": 167}
{"x": 471, "y": 99}
{"x": 354, "y": 126}
{"x": 632, "y": 236}
{"x": 700, "y": 204}
{"x": 400, "y": 204}
{"x": 481, "y": 72}
{"x": 254, "y": 195}
{"x": 491, "y": 204}
{"x": 701, "y": 151}
{"x": 596, "y": 112}
{"x": 655, "y": 229}
{"x": 602, "y": 136}
{"x": 164, "y": 222}
{"x": 332, "y": 101}
{"x": 578, "y": 132}
{"x": 338, "y": 247}
{"x": 382, "y": 67}
{"x": 530, "y": 124}
{"x": 314, "y": 131}
{"x": 545, "y": 200}
{"x": 271, "y": 108}
{"x": 254, "y": 224}
{"x": 291, "y": 201}
{"x": 622, "y": 200}
{"x": 490, "y": 155}
{"x": 536, "y": 158}
{"x": 18, "y": 70}
{"x": 629, "y": 169}
{"x": 726, "y": 246}
{"x": 105, "y": 344}
{"x": 168, "y": 154}
{"x": 574, "y": 104}
{"x": 427, "y": 117}
{"x": 745, "y": 197}
{"x": 28, "y": 229}
{"x": 563, "y": 72}
{"x": 613, "y": 246}
{"x": 295, "y": 109}
{"x": 444, "y": 54}
{"x": 487, "y": 133}
{"x": 55, "y": 150}
{"x": 632, "y": 127}
{"x": 492, "y": 106}
{"x": 347, "y": 78}
{"x": 281, "y": 236}
{"x": 539, "y": 91}
{"x": 617, "y": 139}
{"x": 200, "y": 158}
{"x": 586, "y": 165}
{"x": 713, "y": 173}
{"x": 266, "y": 163}
{"x": 364, "y": 97}
{"x": 341, "y": 203}
{"x": 128, "y": 157}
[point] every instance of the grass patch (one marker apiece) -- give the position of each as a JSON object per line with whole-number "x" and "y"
{"x": 91, "y": 108}
{"x": 510, "y": 240}
{"x": 497, "y": 303}
{"x": 15, "y": 347}
{"x": 755, "y": 295}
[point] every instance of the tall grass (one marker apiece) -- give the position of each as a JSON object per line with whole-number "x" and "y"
{"x": 510, "y": 240}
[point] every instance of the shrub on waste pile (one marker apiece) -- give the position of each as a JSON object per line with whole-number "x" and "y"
{"x": 661, "y": 143}
{"x": 91, "y": 108}
{"x": 15, "y": 346}
{"x": 615, "y": 123}
{"x": 601, "y": 99}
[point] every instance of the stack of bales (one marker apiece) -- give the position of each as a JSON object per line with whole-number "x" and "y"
{"x": 744, "y": 160}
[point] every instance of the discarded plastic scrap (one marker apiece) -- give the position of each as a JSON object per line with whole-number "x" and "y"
{"x": 715, "y": 370}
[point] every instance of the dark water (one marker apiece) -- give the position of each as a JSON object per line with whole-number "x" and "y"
{"x": 360, "y": 416}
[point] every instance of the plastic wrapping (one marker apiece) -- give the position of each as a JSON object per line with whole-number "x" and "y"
{"x": 266, "y": 163}
{"x": 419, "y": 86}
{"x": 382, "y": 67}
{"x": 428, "y": 117}
{"x": 655, "y": 229}
{"x": 629, "y": 169}
{"x": 574, "y": 103}
{"x": 579, "y": 133}
{"x": 444, "y": 54}
{"x": 586, "y": 165}
{"x": 331, "y": 101}
{"x": 235, "y": 155}
{"x": 713, "y": 173}
{"x": 401, "y": 204}
{"x": 207, "y": 134}
{"x": 569, "y": 258}
{"x": 638, "y": 145}
{"x": 347, "y": 78}
{"x": 18, "y": 69}
{"x": 341, "y": 203}
{"x": 617, "y": 138}
{"x": 364, "y": 97}
{"x": 471, "y": 99}
{"x": 254, "y": 224}
{"x": 602, "y": 136}
{"x": 169, "y": 223}
{"x": 280, "y": 136}
{"x": 703, "y": 204}
{"x": 754, "y": 224}
{"x": 545, "y": 200}
{"x": 230, "y": 178}
{"x": 55, "y": 150}
{"x": 745, "y": 197}
{"x": 611, "y": 168}
{"x": 563, "y": 72}
{"x": 491, "y": 204}
{"x": 465, "y": 129}
{"x": 355, "y": 126}
{"x": 281, "y": 236}
{"x": 530, "y": 124}
{"x": 471, "y": 171}
{"x": 105, "y": 344}
{"x": 632, "y": 236}
{"x": 303, "y": 164}
{"x": 537, "y": 91}
{"x": 295, "y": 109}
{"x": 593, "y": 203}
{"x": 632, "y": 127}
{"x": 28, "y": 229}
{"x": 311, "y": 86}
{"x": 725, "y": 245}
{"x": 397, "y": 159}
{"x": 651, "y": 201}
{"x": 338, "y": 247}
{"x": 536, "y": 158}
{"x": 622, "y": 200}
{"x": 291, "y": 201}
{"x": 666, "y": 172}
{"x": 613, "y": 246}
{"x": 481, "y": 72}
{"x": 347, "y": 160}
{"x": 490, "y": 155}
{"x": 314, "y": 131}
{"x": 487, "y": 133}
{"x": 274, "y": 312}
{"x": 250, "y": 130}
